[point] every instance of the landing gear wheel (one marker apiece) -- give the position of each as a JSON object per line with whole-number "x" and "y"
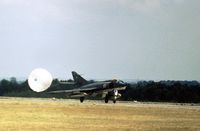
{"x": 106, "y": 99}
{"x": 114, "y": 101}
{"x": 81, "y": 99}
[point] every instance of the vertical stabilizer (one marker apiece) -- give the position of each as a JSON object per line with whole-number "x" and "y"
{"x": 78, "y": 79}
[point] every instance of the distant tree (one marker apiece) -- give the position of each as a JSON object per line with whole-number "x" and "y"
{"x": 69, "y": 80}
{"x": 5, "y": 86}
{"x": 13, "y": 80}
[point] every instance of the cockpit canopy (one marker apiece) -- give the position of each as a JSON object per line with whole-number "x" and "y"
{"x": 120, "y": 82}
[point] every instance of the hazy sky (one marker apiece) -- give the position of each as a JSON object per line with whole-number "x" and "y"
{"x": 128, "y": 39}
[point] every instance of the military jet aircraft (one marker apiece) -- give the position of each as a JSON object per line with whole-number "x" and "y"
{"x": 107, "y": 89}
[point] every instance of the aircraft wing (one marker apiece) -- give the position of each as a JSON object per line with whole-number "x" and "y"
{"x": 86, "y": 91}
{"x": 73, "y": 90}
{"x": 76, "y": 92}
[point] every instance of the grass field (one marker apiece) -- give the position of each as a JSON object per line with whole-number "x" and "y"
{"x": 47, "y": 114}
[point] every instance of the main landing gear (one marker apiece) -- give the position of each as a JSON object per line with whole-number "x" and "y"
{"x": 107, "y": 99}
{"x": 81, "y": 99}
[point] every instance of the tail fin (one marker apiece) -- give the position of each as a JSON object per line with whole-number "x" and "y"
{"x": 78, "y": 79}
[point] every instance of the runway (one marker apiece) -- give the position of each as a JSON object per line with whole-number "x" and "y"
{"x": 101, "y": 102}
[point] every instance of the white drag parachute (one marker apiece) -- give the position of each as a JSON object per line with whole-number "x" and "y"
{"x": 40, "y": 80}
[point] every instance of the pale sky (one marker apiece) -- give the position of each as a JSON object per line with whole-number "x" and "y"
{"x": 127, "y": 39}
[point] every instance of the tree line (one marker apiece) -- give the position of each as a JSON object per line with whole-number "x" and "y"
{"x": 162, "y": 91}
